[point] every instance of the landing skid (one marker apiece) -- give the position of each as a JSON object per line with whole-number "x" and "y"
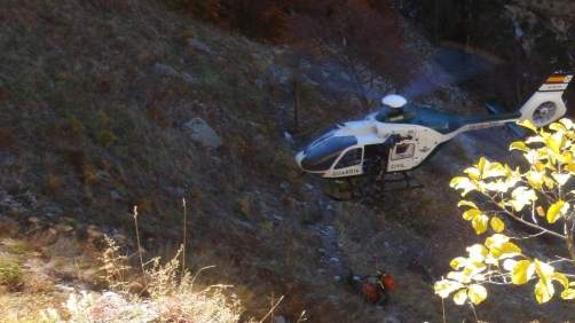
{"x": 369, "y": 187}
{"x": 389, "y": 179}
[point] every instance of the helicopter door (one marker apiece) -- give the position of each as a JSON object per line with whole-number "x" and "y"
{"x": 350, "y": 164}
{"x": 401, "y": 157}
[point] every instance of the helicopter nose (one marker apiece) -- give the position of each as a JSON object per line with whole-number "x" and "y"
{"x": 299, "y": 158}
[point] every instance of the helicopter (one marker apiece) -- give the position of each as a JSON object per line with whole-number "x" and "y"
{"x": 401, "y": 135}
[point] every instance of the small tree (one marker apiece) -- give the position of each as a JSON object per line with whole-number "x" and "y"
{"x": 360, "y": 37}
{"x": 539, "y": 199}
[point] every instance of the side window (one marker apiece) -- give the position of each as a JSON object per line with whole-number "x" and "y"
{"x": 403, "y": 150}
{"x": 351, "y": 158}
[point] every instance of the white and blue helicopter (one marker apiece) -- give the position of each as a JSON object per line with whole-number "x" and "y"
{"x": 401, "y": 135}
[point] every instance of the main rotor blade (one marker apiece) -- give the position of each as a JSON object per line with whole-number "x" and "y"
{"x": 451, "y": 64}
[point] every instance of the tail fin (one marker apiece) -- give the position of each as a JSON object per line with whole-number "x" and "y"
{"x": 546, "y": 105}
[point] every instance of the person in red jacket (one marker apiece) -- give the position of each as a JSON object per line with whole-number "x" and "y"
{"x": 375, "y": 289}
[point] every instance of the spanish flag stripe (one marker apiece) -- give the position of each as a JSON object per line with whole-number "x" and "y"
{"x": 557, "y": 79}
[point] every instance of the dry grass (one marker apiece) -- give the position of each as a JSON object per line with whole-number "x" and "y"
{"x": 166, "y": 294}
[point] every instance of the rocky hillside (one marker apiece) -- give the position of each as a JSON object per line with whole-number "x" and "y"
{"x": 105, "y": 105}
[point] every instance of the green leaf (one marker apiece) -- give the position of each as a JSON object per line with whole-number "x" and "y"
{"x": 477, "y": 294}
{"x": 519, "y": 145}
{"x": 460, "y": 297}
{"x": 522, "y": 272}
{"x": 480, "y": 223}
{"x": 497, "y": 224}
{"x": 568, "y": 294}
{"x": 555, "y": 211}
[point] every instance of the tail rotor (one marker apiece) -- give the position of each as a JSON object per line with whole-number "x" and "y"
{"x": 546, "y": 105}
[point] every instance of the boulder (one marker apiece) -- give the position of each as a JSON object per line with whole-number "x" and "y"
{"x": 202, "y": 133}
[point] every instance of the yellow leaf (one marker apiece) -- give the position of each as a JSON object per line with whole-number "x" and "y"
{"x": 496, "y": 240}
{"x": 543, "y": 291}
{"x": 535, "y": 179}
{"x": 561, "y": 179}
{"x": 509, "y": 264}
{"x": 549, "y": 183}
{"x": 526, "y": 123}
{"x": 568, "y": 294}
{"x": 480, "y": 223}
{"x": 566, "y": 157}
{"x": 493, "y": 170}
{"x": 467, "y": 203}
{"x": 519, "y": 145}
{"x": 544, "y": 270}
{"x": 462, "y": 183}
{"x": 534, "y": 139}
{"x": 561, "y": 278}
{"x": 473, "y": 172}
{"x": 522, "y": 272}
{"x": 497, "y": 224}
{"x": 457, "y": 263}
{"x": 555, "y": 211}
{"x": 477, "y": 294}
{"x": 567, "y": 123}
{"x": 539, "y": 166}
{"x": 477, "y": 253}
{"x": 501, "y": 249}
{"x": 540, "y": 211}
{"x": 555, "y": 142}
{"x": 445, "y": 287}
{"x": 471, "y": 214}
{"x": 557, "y": 127}
{"x": 481, "y": 165}
{"x": 508, "y": 250}
{"x": 460, "y": 297}
{"x": 522, "y": 196}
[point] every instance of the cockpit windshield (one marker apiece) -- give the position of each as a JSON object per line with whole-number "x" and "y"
{"x": 321, "y": 155}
